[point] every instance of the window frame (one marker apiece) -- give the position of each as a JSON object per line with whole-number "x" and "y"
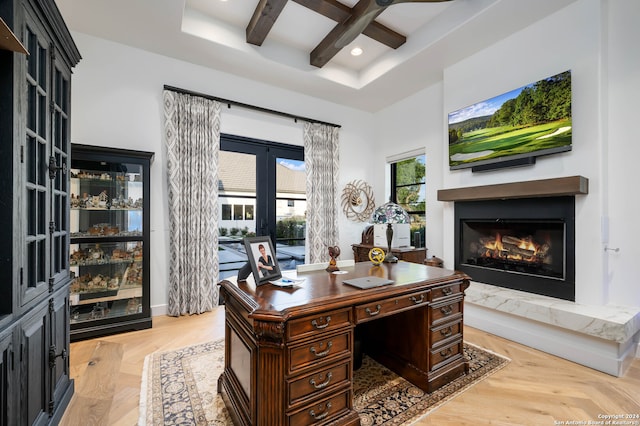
{"x": 393, "y": 165}
{"x": 266, "y": 153}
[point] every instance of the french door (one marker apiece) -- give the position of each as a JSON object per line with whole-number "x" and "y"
{"x": 261, "y": 193}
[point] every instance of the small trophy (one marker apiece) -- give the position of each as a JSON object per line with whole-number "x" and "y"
{"x": 334, "y": 252}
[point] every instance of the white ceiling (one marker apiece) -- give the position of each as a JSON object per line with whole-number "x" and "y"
{"x": 212, "y": 33}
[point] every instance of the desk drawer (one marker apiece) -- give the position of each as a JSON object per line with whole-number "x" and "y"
{"x": 315, "y": 384}
{"x": 316, "y": 324}
{"x": 445, "y": 332}
{"x": 445, "y": 311}
{"x": 446, "y": 354}
{"x": 390, "y": 306}
{"x": 319, "y": 350}
{"x": 445, "y": 291}
{"x": 323, "y": 411}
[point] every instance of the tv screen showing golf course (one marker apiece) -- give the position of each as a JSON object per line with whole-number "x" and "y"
{"x": 530, "y": 121}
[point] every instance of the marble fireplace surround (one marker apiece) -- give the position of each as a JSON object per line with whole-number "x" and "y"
{"x": 605, "y": 338}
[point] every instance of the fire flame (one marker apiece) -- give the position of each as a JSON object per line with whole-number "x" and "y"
{"x": 496, "y": 249}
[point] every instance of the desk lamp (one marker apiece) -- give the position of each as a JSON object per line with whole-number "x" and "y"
{"x": 390, "y": 213}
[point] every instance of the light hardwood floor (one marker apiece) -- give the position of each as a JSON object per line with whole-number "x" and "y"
{"x": 534, "y": 389}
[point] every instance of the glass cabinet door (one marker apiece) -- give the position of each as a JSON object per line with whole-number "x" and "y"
{"x": 107, "y": 280}
{"x": 109, "y": 241}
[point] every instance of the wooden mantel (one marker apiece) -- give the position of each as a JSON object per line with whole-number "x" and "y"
{"x": 556, "y": 187}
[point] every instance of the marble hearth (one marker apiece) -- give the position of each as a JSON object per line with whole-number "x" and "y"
{"x": 605, "y": 338}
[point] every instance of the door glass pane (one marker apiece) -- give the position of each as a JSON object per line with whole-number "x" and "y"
{"x": 291, "y": 209}
{"x": 36, "y": 189}
{"x": 236, "y": 200}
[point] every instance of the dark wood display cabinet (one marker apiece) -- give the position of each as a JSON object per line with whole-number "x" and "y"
{"x": 109, "y": 251}
{"x": 37, "y": 54}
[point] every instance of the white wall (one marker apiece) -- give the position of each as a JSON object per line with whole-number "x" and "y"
{"x": 569, "y": 39}
{"x": 117, "y": 102}
{"x": 623, "y": 150}
{"x": 596, "y": 40}
{"x": 415, "y": 123}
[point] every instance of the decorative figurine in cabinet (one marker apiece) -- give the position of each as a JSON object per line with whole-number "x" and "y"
{"x": 109, "y": 247}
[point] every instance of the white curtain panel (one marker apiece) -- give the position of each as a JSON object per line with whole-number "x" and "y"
{"x": 321, "y": 157}
{"x": 192, "y": 137}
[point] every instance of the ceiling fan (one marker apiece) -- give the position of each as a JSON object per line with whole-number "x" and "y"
{"x": 351, "y": 22}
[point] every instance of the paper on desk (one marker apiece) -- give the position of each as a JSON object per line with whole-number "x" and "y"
{"x": 287, "y": 282}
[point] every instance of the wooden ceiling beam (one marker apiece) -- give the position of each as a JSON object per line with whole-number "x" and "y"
{"x": 362, "y": 14}
{"x": 351, "y": 22}
{"x": 264, "y": 16}
{"x": 339, "y": 12}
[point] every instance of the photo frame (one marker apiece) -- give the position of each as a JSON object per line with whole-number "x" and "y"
{"x": 262, "y": 258}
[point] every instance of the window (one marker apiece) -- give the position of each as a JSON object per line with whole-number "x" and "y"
{"x": 408, "y": 189}
{"x": 248, "y": 212}
{"x": 226, "y": 212}
{"x": 237, "y": 212}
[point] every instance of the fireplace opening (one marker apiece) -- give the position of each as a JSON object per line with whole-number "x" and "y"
{"x": 525, "y": 247}
{"x": 523, "y": 244}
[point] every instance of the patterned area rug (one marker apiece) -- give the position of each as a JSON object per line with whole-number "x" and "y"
{"x": 180, "y": 388}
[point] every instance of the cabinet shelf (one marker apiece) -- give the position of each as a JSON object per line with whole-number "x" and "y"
{"x": 101, "y": 209}
{"x": 109, "y": 241}
{"x": 77, "y": 237}
{"x": 109, "y": 179}
{"x": 106, "y": 296}
{"x": 98, "y": 262}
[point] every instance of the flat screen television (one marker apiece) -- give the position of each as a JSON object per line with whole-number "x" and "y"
{"x": 514, "y": 128}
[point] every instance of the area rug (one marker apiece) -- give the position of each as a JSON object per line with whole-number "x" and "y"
{"x": 180, "y": 388}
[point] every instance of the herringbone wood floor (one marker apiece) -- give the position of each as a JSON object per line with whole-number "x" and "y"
{"x": 534, "y": 389}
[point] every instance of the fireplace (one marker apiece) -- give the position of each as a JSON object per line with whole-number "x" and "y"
{"x": 525, "y": 244}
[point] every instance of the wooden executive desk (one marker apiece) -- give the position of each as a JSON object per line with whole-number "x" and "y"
{"x": 289, "y": 352}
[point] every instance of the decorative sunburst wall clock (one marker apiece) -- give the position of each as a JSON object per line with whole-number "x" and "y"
{"x": 358, "y": 201}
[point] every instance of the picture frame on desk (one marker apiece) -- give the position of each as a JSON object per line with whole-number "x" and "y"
{"x": 262, "y": 258}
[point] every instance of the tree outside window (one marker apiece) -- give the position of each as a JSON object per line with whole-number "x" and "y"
{"x": 408, "y": 189}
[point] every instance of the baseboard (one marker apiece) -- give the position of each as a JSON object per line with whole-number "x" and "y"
{"x": 159, "y": 310}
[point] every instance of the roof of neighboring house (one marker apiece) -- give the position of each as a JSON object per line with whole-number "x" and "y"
{"x": 289, "y": 180}
{"x": 237, "y": 173}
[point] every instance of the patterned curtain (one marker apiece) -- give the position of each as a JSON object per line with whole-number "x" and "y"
{"x": 192, "y": 133}
{"x": 322, "y": 165}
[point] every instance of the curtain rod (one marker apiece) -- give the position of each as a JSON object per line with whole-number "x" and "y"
{"x": 243, "y": 105}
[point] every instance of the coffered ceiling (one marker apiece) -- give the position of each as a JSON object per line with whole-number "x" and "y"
{"x": 305, "y": 45}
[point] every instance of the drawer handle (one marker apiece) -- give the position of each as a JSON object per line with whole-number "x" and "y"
{"x": 416, "y": 300}
{"x": 373, "y": 313}
{"x": 312, "y": 382}
{"x": 446, "y": 332}
{"x": 323, "y": 353}
{"x": 447, "y": 291}
{"x": 446, "y": 310}
{"x": 320, "y": 327}
{"x": 446, "y": 353}
{"x": 322, "y": 415}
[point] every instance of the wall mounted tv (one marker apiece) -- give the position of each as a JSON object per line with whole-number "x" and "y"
{"x": 514, "y": 128}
